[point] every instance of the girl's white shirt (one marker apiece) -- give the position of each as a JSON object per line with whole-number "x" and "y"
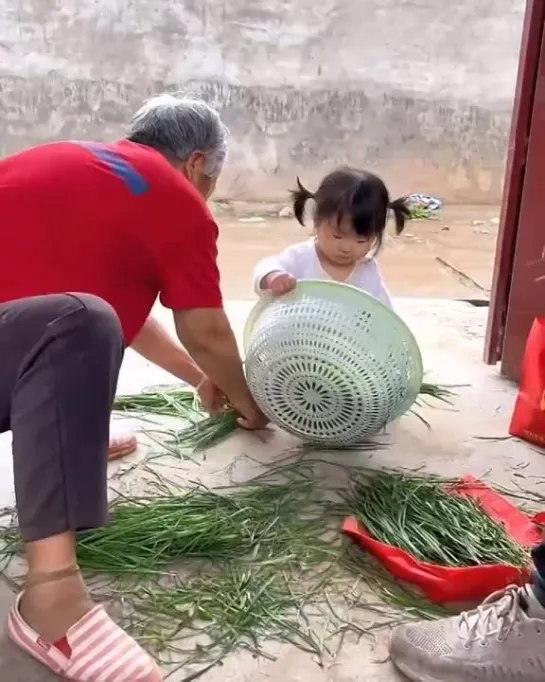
{"x": 301, "y": 261}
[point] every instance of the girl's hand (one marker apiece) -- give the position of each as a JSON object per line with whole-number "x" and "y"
{"x": 279, "y": 283}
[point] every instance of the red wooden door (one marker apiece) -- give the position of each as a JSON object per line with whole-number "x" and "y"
{"x": 511, "y": 309}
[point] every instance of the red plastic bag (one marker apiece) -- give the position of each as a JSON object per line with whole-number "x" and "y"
{"x": 442, "y": 584}
{"x": 528, "y": 421}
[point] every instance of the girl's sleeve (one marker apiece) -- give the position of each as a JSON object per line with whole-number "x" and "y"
{"x": 289, "y": 261}
{"x": 376, "y": 286}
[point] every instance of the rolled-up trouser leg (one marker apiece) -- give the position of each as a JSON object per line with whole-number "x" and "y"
{"x": 60, "y": 357}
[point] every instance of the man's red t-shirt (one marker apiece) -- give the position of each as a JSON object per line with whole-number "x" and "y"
{"x": 114, "y": 220}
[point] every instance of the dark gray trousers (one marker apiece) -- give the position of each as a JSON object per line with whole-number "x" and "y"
{"x": 60, "y": 357}
{"x": 538, "y": 555}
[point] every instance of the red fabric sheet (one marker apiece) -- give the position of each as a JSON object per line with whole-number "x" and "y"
{"x": 528, "y": 420}
{"x": 444, "y": 585}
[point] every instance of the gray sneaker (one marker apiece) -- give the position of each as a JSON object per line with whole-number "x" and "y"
{"x": 503, "y": 640}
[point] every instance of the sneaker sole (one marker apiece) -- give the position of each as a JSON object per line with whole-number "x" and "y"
{"x": 411, "y": 675}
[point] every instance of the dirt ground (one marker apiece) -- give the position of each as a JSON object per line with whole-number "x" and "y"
{"x": 451, "y": 256}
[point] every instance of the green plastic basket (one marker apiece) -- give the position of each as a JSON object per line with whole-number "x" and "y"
{"x": 330, "y": 363}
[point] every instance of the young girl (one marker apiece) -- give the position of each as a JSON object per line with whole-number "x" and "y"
{"x": 350, "y": 215}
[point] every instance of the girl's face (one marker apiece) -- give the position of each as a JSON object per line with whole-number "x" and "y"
{"x": 340, "y": 244}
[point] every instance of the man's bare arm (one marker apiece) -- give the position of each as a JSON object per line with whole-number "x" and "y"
{"x": 155, "y": 344}
{"x": 208, "y": 337}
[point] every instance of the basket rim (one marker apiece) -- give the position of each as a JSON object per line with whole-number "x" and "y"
{"x": 316, "y": 286}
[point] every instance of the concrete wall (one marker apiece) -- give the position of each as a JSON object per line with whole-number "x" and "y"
{"x": 420, "y": 90}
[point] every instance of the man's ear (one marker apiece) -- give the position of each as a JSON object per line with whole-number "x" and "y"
{"x": 190, "y": 167}
{"x": 195, "y": 162}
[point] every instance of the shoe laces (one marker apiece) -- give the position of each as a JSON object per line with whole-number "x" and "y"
{"x": 495, "y": 617}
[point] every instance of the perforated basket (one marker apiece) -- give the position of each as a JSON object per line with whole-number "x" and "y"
{"x": 329, "y": 363}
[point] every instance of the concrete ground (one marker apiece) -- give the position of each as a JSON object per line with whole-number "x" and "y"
{"x": 470, "y": 438}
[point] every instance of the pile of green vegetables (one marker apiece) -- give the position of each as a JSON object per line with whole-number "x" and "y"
{"x": 418, "y": 515}
{"x": 200, "y": 573}
{"x": 145, "y": 535}
{"x": 252, "y": 559}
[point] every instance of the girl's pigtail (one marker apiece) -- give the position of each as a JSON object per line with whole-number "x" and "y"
{"x": 300, "y": 197}
{"x": 401, "y": 211}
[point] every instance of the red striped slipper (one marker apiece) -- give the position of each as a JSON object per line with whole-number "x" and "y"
{"x": 121, "y": 446}
{"x": 95, "y": 649}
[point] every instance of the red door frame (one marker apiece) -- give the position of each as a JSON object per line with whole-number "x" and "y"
{"x": 527, "y": 293}
{"x": 510, "y": 223}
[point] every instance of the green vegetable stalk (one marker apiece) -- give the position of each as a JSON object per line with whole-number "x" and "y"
{"x": 203, "y": 431}
{"x": 418, "y": 515}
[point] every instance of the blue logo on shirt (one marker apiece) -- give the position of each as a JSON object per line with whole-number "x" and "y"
{"x": 131, "y": 178}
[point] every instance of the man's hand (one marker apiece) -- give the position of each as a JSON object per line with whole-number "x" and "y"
{"x": 213, "y": 399}
{"x": 253, "y": 421}
{"x": 207, "y": 335}
{"x": 278, "y": 283}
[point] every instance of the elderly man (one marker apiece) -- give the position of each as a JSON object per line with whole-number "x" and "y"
{"x": 91, "y": 234}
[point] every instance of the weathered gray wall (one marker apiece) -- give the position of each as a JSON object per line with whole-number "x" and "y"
{"x": 420, "y": 90}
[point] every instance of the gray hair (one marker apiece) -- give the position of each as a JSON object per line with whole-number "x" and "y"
{"x": 179, "y": 126}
